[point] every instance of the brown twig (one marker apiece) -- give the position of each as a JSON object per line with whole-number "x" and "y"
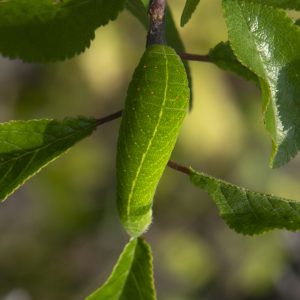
{"x": 109, "y": 118}
{"x": 171, "y": 164}
{"x": 180, "y": 168}
{"x": 195, "y": 57}
{"x": 157, "y": 24}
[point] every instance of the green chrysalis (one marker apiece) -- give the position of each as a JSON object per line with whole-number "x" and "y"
{"x": 156, "y": 104}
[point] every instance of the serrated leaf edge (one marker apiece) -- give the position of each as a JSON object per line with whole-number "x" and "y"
{"x": 245, "y": 190}
{"x": 77, "y": 52}
{"x": 278, "y": 119}
{"x": 42, "y": 167}
{"x": 150, "y": 261}
{"x": 183, "y": 20}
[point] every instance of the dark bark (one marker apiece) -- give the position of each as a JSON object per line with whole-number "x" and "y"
{"x": 157, "y": 24}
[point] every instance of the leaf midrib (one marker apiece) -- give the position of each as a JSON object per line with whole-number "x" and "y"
{"x": 131, "y": 266}
{"x": 129, "y": 269}
{"x": 152, "y": 137}
{"x": 40, "y": 148}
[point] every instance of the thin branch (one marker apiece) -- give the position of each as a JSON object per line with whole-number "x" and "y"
{"x": 109, "y": 118}
{"x": 171, "y": 164}
{"x": 157, "y": 24}
{"x": 195, "y": 57}
{"x": 180, "y": 168}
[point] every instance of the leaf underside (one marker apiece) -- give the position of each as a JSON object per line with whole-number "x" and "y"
{"x": 132, "y": 277}
{"x": 28, "y": 146}
{"x": 267, "y": 42}
{"x": 52, "y": 30}
{"x": 138, "y": 9}
{"x": 188, "y": 10}
{"x": 223, "y": 56}
{"x": 249, "y": 212}
{"x": 155, "y": 107}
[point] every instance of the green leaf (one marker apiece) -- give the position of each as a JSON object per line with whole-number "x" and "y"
{"x": 172, "y": 34}
{"x": 52, "y": 30}
{"x": 267, "y": 42}
{"x": 145, "y": 2}
{"x": 189, "y": 9}
{"x": 137, "y": 8}
{"x": 173, "y": 38}
{"x": 223, "y": 56}
{"x": 249, "y": 212}
{"x": 285, "y": 4}
{"x": 132, "y": 277}
{"x": 28, "y": 146}
{"x": 155, "y": 108}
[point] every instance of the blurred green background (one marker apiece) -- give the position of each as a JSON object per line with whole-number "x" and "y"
{"x": 60, "y": 234}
